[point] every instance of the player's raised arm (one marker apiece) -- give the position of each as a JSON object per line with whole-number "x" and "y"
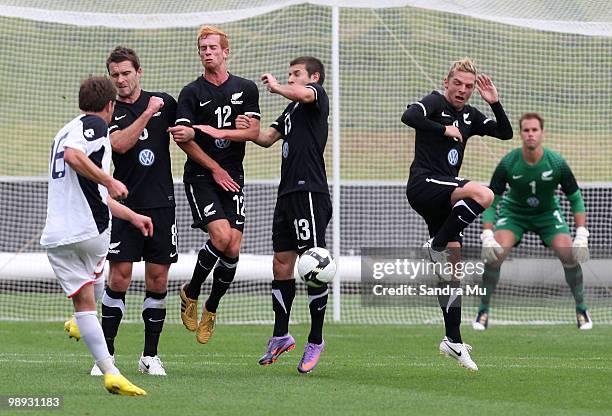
{"x": 123, "y": 139}
{"x": 417, "y": 116}
{"x": 291, "y": 91}
{"x": 126, "y": 74}
{"x": 85, "y": 167}
{"x": 265, "y": 138}
{"x": 249, "y": 133}
{"x": 500, "y": 127}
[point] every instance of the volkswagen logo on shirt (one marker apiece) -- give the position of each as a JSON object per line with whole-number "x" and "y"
{"x": 533, "y": 202}
{"x": 146, "y": 157}
{"x": 222, "y": 143}
{"x": 285, "y": 149}
{"x": 453, "y": 157}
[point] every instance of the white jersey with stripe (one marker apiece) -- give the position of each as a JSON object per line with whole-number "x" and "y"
{"x": 76, "y": 206}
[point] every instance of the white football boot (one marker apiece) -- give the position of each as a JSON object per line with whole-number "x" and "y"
{"x": 151, "y": 365}
{"x": 583, "y": 319}
{"x": 481, "y": 322}
{"x": 460, "y": 352}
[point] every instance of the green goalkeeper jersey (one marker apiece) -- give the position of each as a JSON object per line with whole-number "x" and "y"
{"x": 531, "y": 187}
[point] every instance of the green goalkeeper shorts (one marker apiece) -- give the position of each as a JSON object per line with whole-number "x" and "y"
{"x": 546, "y": 225}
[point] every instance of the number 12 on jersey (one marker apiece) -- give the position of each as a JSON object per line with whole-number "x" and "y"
{"x": 223, "y": 113}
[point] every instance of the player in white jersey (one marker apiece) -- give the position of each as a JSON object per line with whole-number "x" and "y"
{"x": 77, "y": 228}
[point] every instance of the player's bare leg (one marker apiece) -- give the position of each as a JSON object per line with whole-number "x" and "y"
{"x": 479, "y": 193}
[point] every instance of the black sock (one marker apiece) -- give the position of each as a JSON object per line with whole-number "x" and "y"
{"x": 283, "y": 293}
{"x": 153, "y": 315}
{"x": 207, "y": 257}
{"x": 113, "y": 308}
{"x": 451, "y": 310}
{"x": 224, "y": 274}
{"x": 317, "y": 303}
{"x": 464, "y": 212}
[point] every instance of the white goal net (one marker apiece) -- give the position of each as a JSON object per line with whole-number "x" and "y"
{"x": 548, "y": 56}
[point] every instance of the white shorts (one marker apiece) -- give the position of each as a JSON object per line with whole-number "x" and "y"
{"x": 79, "y": 264}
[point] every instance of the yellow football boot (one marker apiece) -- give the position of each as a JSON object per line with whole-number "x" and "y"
{"x": 71, "y": 327}
{"x": 117, "y": 384}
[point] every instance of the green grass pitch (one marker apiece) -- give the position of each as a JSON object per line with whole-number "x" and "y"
{"x": 365, "y": 370}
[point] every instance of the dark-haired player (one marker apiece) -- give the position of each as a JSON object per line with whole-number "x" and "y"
{"x": 303, "y": 208}
{"x": 141, "y": 156}
{"x": 77, "y": 227}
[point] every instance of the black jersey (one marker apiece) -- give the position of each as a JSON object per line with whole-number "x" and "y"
{"x": 303, "y": 126}
{"x": 202, "y": 102}
{"x": 145, "y": 169}
{"x": 440, "y": 155}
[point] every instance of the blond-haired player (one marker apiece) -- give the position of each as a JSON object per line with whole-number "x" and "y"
{"x": 448, "y": 203}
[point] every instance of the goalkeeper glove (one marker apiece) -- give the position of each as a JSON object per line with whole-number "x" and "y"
{"x": 490, "y": 247}
{"x": 580, "y": 247}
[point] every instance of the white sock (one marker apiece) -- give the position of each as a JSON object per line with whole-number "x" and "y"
{"x": 93, "y": 336}
{"x": 107, "y": 366}
{"x": 99, "y": 288}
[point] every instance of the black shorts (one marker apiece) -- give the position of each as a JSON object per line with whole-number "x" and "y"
{"x": 129, "y": 245}
{"x": 209, "y": 202}
{"x": 430, "y": 197}
{"x": 300, "y": 221}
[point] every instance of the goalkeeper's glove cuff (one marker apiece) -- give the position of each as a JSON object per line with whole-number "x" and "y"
{"x": 580, "y": 247}
{"x": 490, "y": 247}
{"x": 487, "y": 234}
{"x": 582, "y": 232}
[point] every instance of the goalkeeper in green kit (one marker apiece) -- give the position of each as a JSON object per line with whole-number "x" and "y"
{"x": 533, "y": 174}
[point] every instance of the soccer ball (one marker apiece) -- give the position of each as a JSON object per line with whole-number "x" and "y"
{"x": 316, "y": 267}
